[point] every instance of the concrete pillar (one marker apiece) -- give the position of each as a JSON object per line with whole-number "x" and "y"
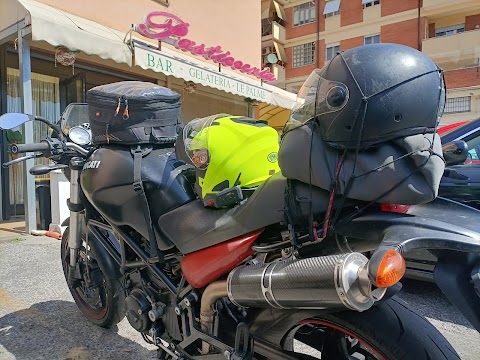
{"x": 27, "y": 107}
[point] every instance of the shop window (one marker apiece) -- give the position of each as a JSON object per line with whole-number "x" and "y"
{"x": 450, "y": 30}
{"x": 331, "y": 50}
{"x": 332, "y": 8}
{"x": 304, "y": 13}
{"x": 368, "y": 3}
{"x": 458, "y": 104}
{"x": 46, "y": 103}
{"x": 303, "y": 54}
{"x": 373, "y": 39}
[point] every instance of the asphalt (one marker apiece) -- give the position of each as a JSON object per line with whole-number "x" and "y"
{"x": 39, "y": 320}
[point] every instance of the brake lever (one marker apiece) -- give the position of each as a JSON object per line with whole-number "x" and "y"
{"x": 20, "y": 159}
{"x": 45, "y": 169}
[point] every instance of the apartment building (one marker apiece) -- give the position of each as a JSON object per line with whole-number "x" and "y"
{"x": 299, "y": 36}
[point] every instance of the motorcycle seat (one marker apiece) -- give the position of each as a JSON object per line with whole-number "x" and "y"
{"x": 192, "y": 227}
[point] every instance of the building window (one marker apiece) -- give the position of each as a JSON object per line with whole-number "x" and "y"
{"x": 458, "y": 104}
{"x": 303, "y": 54}
{"x": 333, "y": 13}
{"x": 304, "y": 13}
{"x": 450, "y": 30}
{"x": 373, "y": 39}
{"x": 368, "y": 3}
{"x": 331, "y": 50}
{"x": 332, "y": 8}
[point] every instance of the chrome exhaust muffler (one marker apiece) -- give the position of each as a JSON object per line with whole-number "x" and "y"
{"x": 327, "y": 282}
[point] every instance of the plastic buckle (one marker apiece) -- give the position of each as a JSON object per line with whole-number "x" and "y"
{"x": 138, "y": 187}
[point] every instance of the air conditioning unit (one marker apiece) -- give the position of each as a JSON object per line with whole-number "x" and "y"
{"x": 267, "y": 50}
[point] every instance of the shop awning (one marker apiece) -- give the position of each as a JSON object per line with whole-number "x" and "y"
{"x": 280, "y": 50}
{"x": 61, "y": 28}
{"x": 266, "y": 9}
{"x": 274, "y": 115}
{"x": 280, "y": 10}
{"x": 179, "y": 65}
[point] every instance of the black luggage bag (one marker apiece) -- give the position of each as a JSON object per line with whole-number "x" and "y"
{"x": 133, "y": 112}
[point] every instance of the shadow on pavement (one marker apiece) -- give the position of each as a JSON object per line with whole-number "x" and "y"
{"x": 429, "y": 300}
{"x": 57, "y": 330}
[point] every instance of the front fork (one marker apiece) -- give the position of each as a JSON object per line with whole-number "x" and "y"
{"x": 75, "y": 205}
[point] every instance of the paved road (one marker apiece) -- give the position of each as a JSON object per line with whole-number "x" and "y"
{"x": 38, "y": 319}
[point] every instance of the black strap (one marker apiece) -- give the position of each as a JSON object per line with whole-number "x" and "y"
{"x": 138, "y": 153}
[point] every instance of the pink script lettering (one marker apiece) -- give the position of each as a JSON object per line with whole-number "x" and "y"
{"x": 176, "y": 29}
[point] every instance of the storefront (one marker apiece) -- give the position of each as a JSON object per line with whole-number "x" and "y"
{"x": 38, "y": 38}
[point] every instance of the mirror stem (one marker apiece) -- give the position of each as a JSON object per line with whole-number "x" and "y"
{"x": 54, "y": 127}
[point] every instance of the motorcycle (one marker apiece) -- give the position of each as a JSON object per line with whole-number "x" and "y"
{"x": 230, "y": 284}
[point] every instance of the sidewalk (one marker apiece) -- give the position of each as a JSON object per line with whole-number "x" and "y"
{"x": 12, "y": 228}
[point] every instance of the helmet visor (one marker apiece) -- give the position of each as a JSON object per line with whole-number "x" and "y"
{"x": 442, "y": 96}
{"x": 195, "y": 139}
{"x": 319, "y": 96}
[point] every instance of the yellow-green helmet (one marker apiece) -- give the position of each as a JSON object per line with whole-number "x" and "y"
{"x": 229, "y": 151}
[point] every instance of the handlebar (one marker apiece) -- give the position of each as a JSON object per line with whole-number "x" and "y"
{"x": 35, "y": 147}
{"x": 45, "y": 146}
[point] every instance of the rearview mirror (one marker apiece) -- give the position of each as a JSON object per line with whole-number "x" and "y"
{"x": 12, "y": 120}
{"x": 455, "y": 152}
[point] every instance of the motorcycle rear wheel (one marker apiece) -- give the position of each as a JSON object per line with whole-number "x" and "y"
{"x": 389, "y": 331}
{"x": 102, "y": 305}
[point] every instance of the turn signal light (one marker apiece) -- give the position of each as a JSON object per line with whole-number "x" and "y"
{"x": 391, "y": 269}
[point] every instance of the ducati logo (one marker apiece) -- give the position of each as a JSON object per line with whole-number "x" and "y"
{"x": 91, "y": 165}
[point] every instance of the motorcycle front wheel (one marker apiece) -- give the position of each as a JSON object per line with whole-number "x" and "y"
{"x": 391, "y": 330}
{"x": 99, "y": 297}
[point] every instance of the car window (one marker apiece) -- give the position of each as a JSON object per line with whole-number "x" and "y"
{"x": 474, "y": 150}
{"x": 472, "y": 154}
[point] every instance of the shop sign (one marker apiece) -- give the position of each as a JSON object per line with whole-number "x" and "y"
{"x": 169, "y": 65}
{"x": 169, "y": 28}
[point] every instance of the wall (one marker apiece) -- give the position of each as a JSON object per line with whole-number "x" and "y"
{"x": 351, "y": 43}
{"x": 404, "y": 32}
{"x": 390, "y": 7}
{"x": 462, "y": 78}
{"x": 351, "y": 12}
{"x": 234, "y": 25}
{"x": 471, "y": 22}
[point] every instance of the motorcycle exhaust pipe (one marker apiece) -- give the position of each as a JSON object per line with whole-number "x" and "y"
{"x": 328, "y": 282}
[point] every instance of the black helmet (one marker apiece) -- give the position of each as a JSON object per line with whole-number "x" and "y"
{"x": 371, "y": 94}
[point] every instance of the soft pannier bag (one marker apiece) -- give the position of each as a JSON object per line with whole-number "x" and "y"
{"x": 404, "y": 171}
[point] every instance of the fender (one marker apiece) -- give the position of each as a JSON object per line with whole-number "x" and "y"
{"x": 107, "y": 263}
{"x": 270, "y": 325}
{"x": 446, "y": 228}
{"x": 440, "y": 224}
{"x": 450, "y": 277}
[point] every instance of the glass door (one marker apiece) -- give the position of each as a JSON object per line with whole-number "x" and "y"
{"x": 46, "y": 103}
{"x": 72, "y": 90}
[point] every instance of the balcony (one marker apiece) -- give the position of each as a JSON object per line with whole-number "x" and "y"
{"x": 454, "y": 51}
{"x": 446, "y": 7}
{"x": 278, "y": 71}
{"x": 272, "y": 30}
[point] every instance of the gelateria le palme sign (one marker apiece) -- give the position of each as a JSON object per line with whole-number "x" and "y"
{"x": 168, "y": 64}
{"x": 169, "y": 28}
